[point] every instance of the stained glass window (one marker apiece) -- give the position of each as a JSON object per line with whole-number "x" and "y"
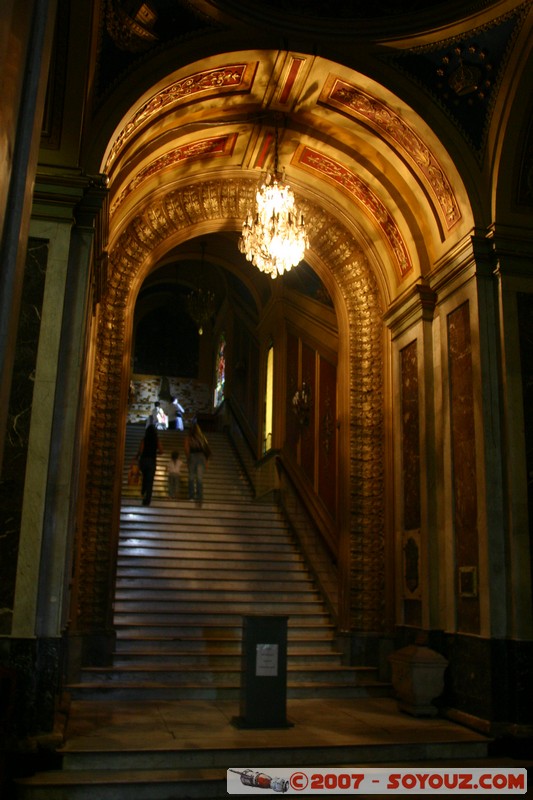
{"x": 220, "y": 367}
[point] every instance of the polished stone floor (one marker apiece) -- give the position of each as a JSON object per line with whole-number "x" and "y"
{"x": 359, "y": 723}
{"x": 156, "y": 750}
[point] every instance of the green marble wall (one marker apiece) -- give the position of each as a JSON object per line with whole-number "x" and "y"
{"x": 18, "y": 426}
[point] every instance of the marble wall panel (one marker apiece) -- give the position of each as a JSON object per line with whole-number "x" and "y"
{"x": 525, "y": 325}
{"x": 292, "y": 426}
{"x": 464, "y": 478}
{"x": 307, "y": 430}
{"x": 18, "y": 424}
{"x": 410, "y": 435}
{"x": 410, "y": 448}
{"x": 193, "y": 395}
{"x": 327, "y": 435}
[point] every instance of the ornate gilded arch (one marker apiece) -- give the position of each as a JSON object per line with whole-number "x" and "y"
{"x": 166, "y": 216}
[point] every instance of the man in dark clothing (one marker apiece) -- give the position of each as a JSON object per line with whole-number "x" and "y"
{"x": 148, "y": 450}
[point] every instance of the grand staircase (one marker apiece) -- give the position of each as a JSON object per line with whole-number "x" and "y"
{"x": 187, "y": 576}
{"x": 156, "y": 725}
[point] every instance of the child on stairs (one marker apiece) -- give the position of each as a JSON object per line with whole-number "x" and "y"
{"x": 174, "y": 466}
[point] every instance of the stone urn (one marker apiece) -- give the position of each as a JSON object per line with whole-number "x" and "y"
{"x": 417, "y": 679}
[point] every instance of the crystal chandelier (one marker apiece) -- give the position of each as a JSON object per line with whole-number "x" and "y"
{"x": 274, "y": 237}
{"x": 201, "y": 302}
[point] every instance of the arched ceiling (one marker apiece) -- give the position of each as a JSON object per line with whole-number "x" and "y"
{"x": 347, "y": 141}
{"x": 343, "y": 142}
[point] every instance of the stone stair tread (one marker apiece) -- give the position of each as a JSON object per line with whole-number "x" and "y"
{"x": 123, "y": 626}
{"x": 95, "y": 777}
{"x": 110, "y": 686}
{"x": 208, "y": 615}
{"x": 173, "y": 534}
{"x": 165, "y": 668}
{"x": 141, "y": 691}
{"x": 223, "y": 555}
{"x": 211, "y": 640}
{"x": 131, "y": 582}
{"x": 222, "y": 596}
{"x": 207, "y": 567}
{"x": 215, "y": 653}
{"x": 155, "y": 667}
{"x": 187, "y": 575}
{"x": 173, "y": 538}
{"x": 183, "y": 508}
{"x": 175, "y": 587}
{"x": 221, "y": 552}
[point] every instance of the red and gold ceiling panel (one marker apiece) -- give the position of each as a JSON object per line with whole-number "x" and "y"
{"x": 352, "y": 101}
{"x": 229, "y": 79}
{"x": 351, "y": 184}
{"x": 212, "y": 147}
{"x": 289, "y": 79}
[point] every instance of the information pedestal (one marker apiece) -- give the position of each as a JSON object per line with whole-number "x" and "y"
{"x": 264, "y": 673}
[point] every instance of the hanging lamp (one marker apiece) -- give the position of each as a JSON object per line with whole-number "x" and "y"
{"x": 201, "y": 301}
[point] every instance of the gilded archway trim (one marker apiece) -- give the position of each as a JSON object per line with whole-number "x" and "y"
{"x": 165, "y": 218}
{"x": 211, "y": 147}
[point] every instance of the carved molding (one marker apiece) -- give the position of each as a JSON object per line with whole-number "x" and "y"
{"x": 231, "y": 78}
{"x": 163, "y": 218}
{"x": 361, "y": 192}
{"x": 129, "y": 33}
{"x": 211, "y": 147}
{"x": 351, "y": 100}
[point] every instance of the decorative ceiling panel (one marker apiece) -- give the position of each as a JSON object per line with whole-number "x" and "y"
{"x": 351, "y": 100}
{"x": 355, "y": 187}
{"x": 227, "y": 79}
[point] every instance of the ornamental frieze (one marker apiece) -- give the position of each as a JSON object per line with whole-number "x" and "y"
{"x": 205, "y": 148}
{"x": 232, "y": 78}
{"x": 353, "y": 185}
{"x": 347, "y": 98}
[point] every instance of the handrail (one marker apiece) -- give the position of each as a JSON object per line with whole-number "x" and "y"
{"x": 240, "y": 442}
{"x": 270, "y": 478}
{"x": 312, "y": 543}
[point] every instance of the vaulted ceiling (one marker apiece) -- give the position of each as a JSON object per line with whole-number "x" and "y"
{"x": 191, "y": 94}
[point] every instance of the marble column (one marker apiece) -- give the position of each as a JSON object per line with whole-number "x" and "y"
{"x": 47, "y": 531}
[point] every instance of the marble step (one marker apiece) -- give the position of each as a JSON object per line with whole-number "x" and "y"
{"x": 126, "y": 784}
{"x": 157, "y": 623}
{"x": 216, "y": 658}
{"x": 238, "y": 513}
{"x": 190, "y": 580}
{"x": 263, "y": 528}
{"x": 199, "y": 594}
{"x": 230, "y": 625}
{"x": 213, "y": 531}
{"x": 234, "y": 560}
{"x": 115, "y": 691}
{"x": 202, "y": 609}
{"x": 209, "y": 571}
{"x": 223, "y": 547}
{"x": 156, "y": 774}
{"x": 215, "y": 674}
{"x": 128, "y": 645}
{"x": 269, "y": 754}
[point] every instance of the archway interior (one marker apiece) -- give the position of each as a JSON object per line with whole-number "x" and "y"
{"x": 185, "y": 160}
{"x": 341, "y": 140}
{"x": 166, "y": 340}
